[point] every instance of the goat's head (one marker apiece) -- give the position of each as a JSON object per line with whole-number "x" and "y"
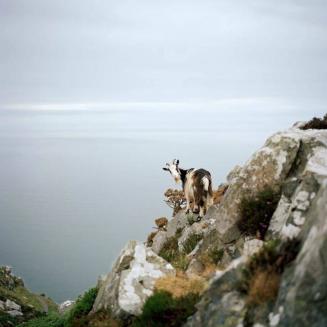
{"x": 174, "y": 170}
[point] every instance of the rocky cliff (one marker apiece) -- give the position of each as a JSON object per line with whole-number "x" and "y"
{"x": 17, "y": 303}
{"x": 260, "y": 251}
{"x": 258, "y": 257}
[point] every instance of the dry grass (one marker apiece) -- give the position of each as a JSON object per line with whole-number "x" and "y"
{"x": 219, "y": 193}
{"x": 181, "y": 285}
{"x": 263, "y": 287}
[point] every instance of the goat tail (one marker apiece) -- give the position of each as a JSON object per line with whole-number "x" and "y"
{"x": 206, "y": 182}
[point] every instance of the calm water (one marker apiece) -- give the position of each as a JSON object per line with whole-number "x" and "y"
{"x": 76, "y": 185}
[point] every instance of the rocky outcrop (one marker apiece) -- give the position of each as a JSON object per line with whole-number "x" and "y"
{"x": 17, "y": 303}
{"x": 295, "y": 162}
{"x": 302, "y": 297}
{"x": 125, "y": 289}
{"x": 268, "y": 166}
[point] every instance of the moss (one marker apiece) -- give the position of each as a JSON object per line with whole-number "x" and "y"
{"x": 162, "y": 310}
{"x": 256, "y": 212}
{"x": 191, "y": 242}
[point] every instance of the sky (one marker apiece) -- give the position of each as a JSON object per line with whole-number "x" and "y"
{"x": 97, "y": 52}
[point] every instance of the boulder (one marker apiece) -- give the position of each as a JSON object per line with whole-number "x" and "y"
{"x": 11, "y": 305}
{"x": 302, "y": 299}
{"x": 14, "y": 313}
{"x": 222, "y": 304}
{"x": 301, "y": 187}
{"x": 268, "y": 166}
{"x": 159, "y": 241}
{"x": 65, "y": 306}
{"x": 131, "y": 281}
{"x": 177, "y": 223}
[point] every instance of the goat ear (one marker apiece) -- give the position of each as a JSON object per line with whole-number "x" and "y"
{"x": 164, "y": 168}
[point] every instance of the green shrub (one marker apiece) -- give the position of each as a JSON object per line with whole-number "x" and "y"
{"x": 216, "y": 254}
{"x": 256, "y": 212}
{"x": 191, "y": 242}
{"x": 51, "y": 320}
{"x": 162, "y": 310}
{"x": 77, "y": 316}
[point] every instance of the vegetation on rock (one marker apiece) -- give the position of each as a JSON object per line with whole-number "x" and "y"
{"x": 163, "y": 310}
{"x": 77, "y": 316}
{"x": 175, "y": 199}
{"x": 191, "y": 242}
{"x": 261, "y": 276}
{"x": 181, "y": 284}
{"x": 256, "y": 212}
{"x": 316, "y": 123}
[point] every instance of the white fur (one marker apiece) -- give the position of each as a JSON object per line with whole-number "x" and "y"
{"x": 205, "y": 182}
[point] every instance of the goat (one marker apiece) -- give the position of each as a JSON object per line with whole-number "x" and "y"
{"x": 197, "y": 187}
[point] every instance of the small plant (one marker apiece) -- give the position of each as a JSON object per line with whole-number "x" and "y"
{"x": 175, "y": 199}
{"x": 78, "y": 314}
{"x": 256, "y": 212}
{"x": 170, "y": 253}
{"x": 170, "y": 249}
{"x": 261, "y": 278}
{"x": 316, "y": 123}
{"x": 162, "y": 310}
{"x": 216, "y": 254}
{"x": 263, "y": 286}
{"x": 191, "y": 242}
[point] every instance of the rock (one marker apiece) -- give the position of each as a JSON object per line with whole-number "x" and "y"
{"x": 65, "y": 306}
{"x": 176, "y": 224}
{"x": 196, "y": 228}
{"x": 14, "y": 313}
{"x": 303, "y": 291}
{"x": 233, "y": 174}
{"x": 131, "y": 281}
{"x": 159, "y": 241}
{"x": 300, "y": 189}
{"x": 8, "y": 280}
{"x": 2, "y": 305}
{"x": 268, "y": 166}
{"x": 252, "y": 246}
{"x": 11, "y": 305}
{"x": 222, "y": 304}
{"x": 195, "y": 267}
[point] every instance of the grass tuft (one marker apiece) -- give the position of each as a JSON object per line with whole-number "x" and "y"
{"x": 163, "y": 310}
{"x": 191, "y": 242}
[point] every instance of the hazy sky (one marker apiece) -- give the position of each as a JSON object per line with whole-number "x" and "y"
{"x": 181, "y": 50}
